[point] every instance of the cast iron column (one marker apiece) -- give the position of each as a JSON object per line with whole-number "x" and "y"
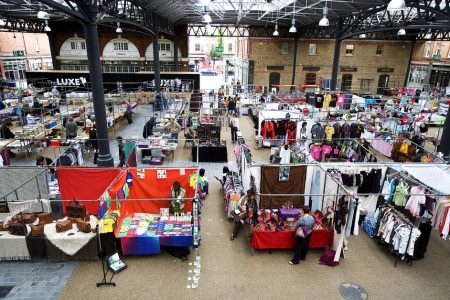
{"x": 335, "y": 69}
{"x": 93, "y": 53}
{"x": 294, "y": 67}
{"x": 175, "y": 52}
{"x": 156, "y": 64}
{"x": 444, "y": 145}
{"x": 51, "y": 40}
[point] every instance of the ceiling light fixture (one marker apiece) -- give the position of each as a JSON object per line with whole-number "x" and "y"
{"x": 396, "y": 5}
{"x": 362, "y": 36}
{"x": 401, "y": 31}
{"x": 324, "y": 21}
{"x": 276, "y": 33}
{"x": 118, "y": 29}
{"x": 47, "y": 28}
{"x": 293, "y": 29}
{"x": 428, "y": 35}
{"x": 208, "y": 29}
{"x": 207, "y": 18}
{"x": 2, "y": 22}
{"x": 43, "y": 15}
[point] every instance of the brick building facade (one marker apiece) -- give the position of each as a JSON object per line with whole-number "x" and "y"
{"x": 365, "y": 66}
{"x": 20, "y": 52}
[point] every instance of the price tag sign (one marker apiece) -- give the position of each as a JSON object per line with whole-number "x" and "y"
{"x": 161, "y": 174}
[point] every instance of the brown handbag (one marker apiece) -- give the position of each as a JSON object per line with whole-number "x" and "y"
{"x": 37, "y": 230}
{"x": 83, "y": 226}
{"x": 75, "y": 209}
{"x": 18, "y": 229}
{"x": 26, "y": 218}
{"x": 4, "y": 226}
{"x": 45, "y": 218}
{"x": 62, "y": 226}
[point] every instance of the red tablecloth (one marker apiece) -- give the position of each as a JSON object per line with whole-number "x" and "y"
{"x": 286, "y": 239}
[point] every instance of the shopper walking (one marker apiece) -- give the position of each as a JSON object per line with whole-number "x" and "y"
{"x": 241, "y": 214}
{"x": 231, "y": 106}
{"x": 129, "y": 113}
{"x": 121, "y": 152}
{"x": 71, "y": 128}
{"x": 234, "y": 124}
{"x": 305, "y": 224}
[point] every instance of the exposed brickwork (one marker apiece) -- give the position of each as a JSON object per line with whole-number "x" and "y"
{"x": 267, "y": 52}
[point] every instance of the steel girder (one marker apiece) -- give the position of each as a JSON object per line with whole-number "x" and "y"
{"x": 23, "y": 25}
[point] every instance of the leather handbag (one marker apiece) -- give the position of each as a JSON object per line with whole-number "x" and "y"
{"x": 75, "y": 209}
{"x": 18, "y": 229}
{"x": 37, "y": 230}
{"x": 83, "y": 226}
{"x": 45, "y": 218}
{"x": 26, "y": 218}
{"x": 62, "y": 226}
{"x": 4, "y": 226}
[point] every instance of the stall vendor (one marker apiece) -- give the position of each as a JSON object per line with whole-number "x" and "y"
{"x": 244, "y": 205}
{"x": 177, "y": 194}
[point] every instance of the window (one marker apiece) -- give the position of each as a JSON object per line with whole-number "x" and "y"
{"x": 284, "y": 49}
{"x": 437, "y": 49}
{"x": 379, "y": 50}
{"x": 120, "y": 46}
{"x": 448, "y": 53}
{"x": 365, "y": 86}
{"x": 310, "y": 78}
{"x": 230, "y": 47}
{"x": 428, "y": 49}
{"x": 312, "y": 49}
{"x": 418, "y": 74}
{"x": 197, "y": 47}
{"x": 78, "y": 45}
{"x": 349, "y": 50}
{"x": 164, "y": 47}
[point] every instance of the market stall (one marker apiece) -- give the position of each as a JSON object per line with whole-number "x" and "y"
{"x": 145, "y": 222}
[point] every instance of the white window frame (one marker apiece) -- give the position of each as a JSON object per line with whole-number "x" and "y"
{"x": 284, "y": 49}
{"x": 312, "y": 49}
{"x": 120, "y": 46}
{"x": 230, "y": 47}
{"x": 197, "y": 47}
{"x": 428, "y": 50}
{"x": 349, "y": 49}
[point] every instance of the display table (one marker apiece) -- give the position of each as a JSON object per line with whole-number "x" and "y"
{"x": 210, "y": 153}
{"x": 320, "y": 238}
{"x": 382, "y": 146}
{"x": 144, "y": 234}
{"x": 13, "y": 247}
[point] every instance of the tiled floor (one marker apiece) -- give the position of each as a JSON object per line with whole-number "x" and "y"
{"x": 37, "y": 281}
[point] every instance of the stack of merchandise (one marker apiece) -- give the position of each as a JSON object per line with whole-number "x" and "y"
{"x": 284, "y": 220}
{"x": 154, "y": 225}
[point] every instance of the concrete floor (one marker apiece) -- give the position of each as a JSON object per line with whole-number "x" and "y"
{"x": 230, "y": 271}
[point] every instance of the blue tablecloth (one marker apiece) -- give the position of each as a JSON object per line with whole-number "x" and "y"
{"x": 142, "y": 245}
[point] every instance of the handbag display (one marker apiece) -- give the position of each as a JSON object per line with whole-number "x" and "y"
{"x": 83, "y": 226}
{"x": 18, "y": 229}
{"x": 62, "y": 226}
{"x": 45, "y": 218}
{"x": 75, "y": 209}
{"x": 37, "y": 230}
{"x": 26, "y": 218}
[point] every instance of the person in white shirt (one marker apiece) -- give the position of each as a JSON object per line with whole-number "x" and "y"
{"x": 234, "y": 124}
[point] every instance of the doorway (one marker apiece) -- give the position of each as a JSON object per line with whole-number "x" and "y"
{"x": 383, "y": 83}
{"x": 346, "y": 82}
{"x": 274, "y": 79}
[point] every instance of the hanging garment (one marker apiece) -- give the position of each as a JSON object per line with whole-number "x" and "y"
{"x": 285, "y": 156}
{"x": 317, "y": 132}
{"x": 326, "y": 149}
{"x": 400, "y": 193}
{"x": 315, "y": 151}
{"x": 326, "y": 100}
{"x": 334, "y": 100}
{"x": 417, "y": 198}
{"x": 329, "y": 132}
{"x": 268, "y": 130}
{"x": 375, "y": 178}
{"x": 319, "y": 100}
{"x": 337, "y": 131}
{"x": 345, "y": 130}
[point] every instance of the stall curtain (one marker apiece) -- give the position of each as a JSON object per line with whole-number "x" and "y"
{"x": 85, "y": 184}
{"x": 132, "y": 159}
{"x": 149, "y": 186}
{"x": 270, "y": 184}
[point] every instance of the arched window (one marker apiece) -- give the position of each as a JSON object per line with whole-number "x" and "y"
{"x": 120, "y": 48}
{"x": 74, "y": 47}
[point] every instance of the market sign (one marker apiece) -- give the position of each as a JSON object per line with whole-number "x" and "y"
{"x": 218, "y": 49}
{"x": 311, "y": 68}
{"x": 349, "y": 69}
{"x": 437, "y": 57}
{"x": 18, "y": 53}
{"x": 81, "y": 81}
{"x": 385, "y": 70}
